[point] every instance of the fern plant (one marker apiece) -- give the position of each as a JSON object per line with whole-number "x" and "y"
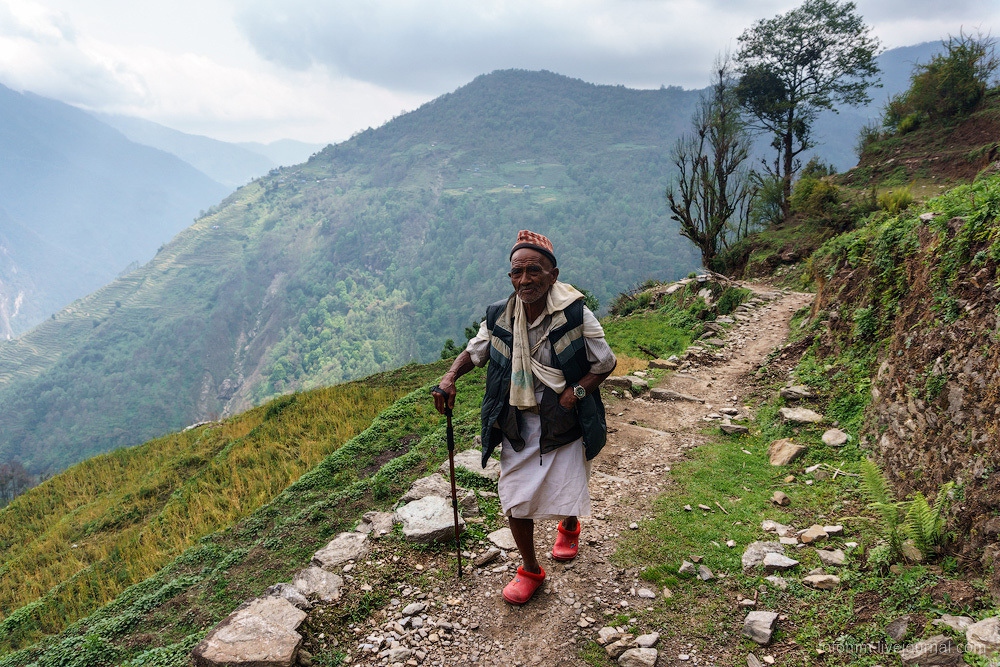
{"x": 875, "y": 486}
{"x": 924, "y": 524}
{"x": 915, "y": 519}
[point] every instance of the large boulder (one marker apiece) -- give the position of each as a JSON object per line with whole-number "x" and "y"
{"x": 343, "y": 548}
{"x": 430, "y": 519}
{"x": 260, "y": 633}
{"x": 437, "y": 485}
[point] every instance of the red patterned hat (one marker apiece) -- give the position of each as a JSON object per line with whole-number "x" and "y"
{"x": 526, "y": 239}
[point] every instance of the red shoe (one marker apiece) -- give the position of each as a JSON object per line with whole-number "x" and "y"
{"x": 523, "y": 586}
{"x": 567, "y": 543}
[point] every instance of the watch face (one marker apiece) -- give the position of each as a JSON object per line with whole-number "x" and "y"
{"x": 579, "y": 391}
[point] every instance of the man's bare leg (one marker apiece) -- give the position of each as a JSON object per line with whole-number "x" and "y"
{"x": 523, "y": 531}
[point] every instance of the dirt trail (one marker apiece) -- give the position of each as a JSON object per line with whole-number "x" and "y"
{"x": 646, "y": 438}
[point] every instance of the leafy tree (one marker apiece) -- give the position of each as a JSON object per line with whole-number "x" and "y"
{"x": 796, "y": 64}
{"x": 950, "y": 85}
{"x": 712, "y": 194}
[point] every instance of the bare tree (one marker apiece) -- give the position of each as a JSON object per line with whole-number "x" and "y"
{"x": 713, "y": 191}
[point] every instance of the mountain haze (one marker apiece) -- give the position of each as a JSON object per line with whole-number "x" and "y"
{"x": 364, "y": 258}
{"x": 79, "y": 203}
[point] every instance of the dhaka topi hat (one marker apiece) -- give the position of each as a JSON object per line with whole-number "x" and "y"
{"x": 526, "y": 239}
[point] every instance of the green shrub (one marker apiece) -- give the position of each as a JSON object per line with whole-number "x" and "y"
{"x": 766, "y": 209}
{"x": 814, "y": 197}
{"x": 948, "y": 86}
{"x": 895, "y": 201}
{"x": 867, "y": 135}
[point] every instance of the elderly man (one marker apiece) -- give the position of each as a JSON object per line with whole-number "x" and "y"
{"x": 547, "y": 355}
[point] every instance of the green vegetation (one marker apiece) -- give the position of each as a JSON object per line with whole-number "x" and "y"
{"x": 367, "y": 257}
{"x": 76, "y": 542}
{"x": 950, "y": 86}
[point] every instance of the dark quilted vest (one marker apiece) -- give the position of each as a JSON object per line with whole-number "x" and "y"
{"x": 570, "y": 356}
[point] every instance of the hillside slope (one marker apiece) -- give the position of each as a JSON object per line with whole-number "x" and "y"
{"x": 80, "y": 203}
{"x": 364, "y": 258}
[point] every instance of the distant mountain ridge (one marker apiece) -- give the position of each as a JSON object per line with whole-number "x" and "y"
{"x": 232, "y": 164}
{"x": 78, "y": 203}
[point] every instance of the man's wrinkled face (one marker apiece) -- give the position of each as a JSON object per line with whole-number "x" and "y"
{"x": 531, "y": 274}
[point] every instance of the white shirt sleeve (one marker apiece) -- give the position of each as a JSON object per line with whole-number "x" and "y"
{"x": 599, "y": 354}
{"x": 479, "y": 346}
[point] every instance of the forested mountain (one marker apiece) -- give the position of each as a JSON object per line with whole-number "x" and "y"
{"x": 79, "y": 203}
{"x": 364, "y": 258}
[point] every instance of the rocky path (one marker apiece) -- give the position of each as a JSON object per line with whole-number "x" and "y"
{"x": 435, "y": 619}
{"x": 467, "y": 623}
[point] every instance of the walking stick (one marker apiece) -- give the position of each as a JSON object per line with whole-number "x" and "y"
{"x": 454, "y": 493}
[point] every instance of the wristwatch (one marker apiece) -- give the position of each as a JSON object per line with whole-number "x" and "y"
{"x": 579, "y": 391}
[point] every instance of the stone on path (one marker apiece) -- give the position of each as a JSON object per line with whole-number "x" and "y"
{"x": 753, "y": 555}
{"x": 759, "y": 626}
{"x": 774, "y": 562}
{"x": 260, "y": 632}
{"x": 799, "y": 416}
{"x": 663, "y": 364}
{"x": 487, "y": 556}
{"x": 797, "y": 392}
{"x": 936, "y": 650}
{"x": 834, "y": 437}
{"x": 317, "y": 581}
{"x": 956, "y": 623}
{"x": 414, "y": 608}
{"x": 730, "y": 428}
{"x": 831, "y": 557}
{"x": 781, "y": 499}
{"x": 376, "y": 524}
{"x": 814, "y": 533}
{"x": 983, "y": 638}
{"x": 608, "y": 634}
{"x": 784, "y": 451}
{"x": 503, "y": 538}
{"x": 671, "y": 395}
{"x": 620, "y": 381}
{"x": 342, "y": 548}
{"x": 704, "y": 573}
{"x": 437, "y": 485}
{"x": 778, "y": 582}
{"x": 638, "y": 657}
{"x": 687, "y": 567}
{"x": 823, "y": 582}
{"x": 648, "y": 641}
{"x": 472, "y": 460}
{"x": 428, "y": 520}
{"x": 290, "y": 593}
{"x": 753, "y": 661}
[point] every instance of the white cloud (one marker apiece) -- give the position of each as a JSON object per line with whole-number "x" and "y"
{"x": 319, "y": 70}
{"x": 40, "y": 51}
{"x": 435, "y": 45}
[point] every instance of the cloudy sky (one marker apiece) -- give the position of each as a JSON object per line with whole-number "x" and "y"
{"x": 320, "y": 70}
